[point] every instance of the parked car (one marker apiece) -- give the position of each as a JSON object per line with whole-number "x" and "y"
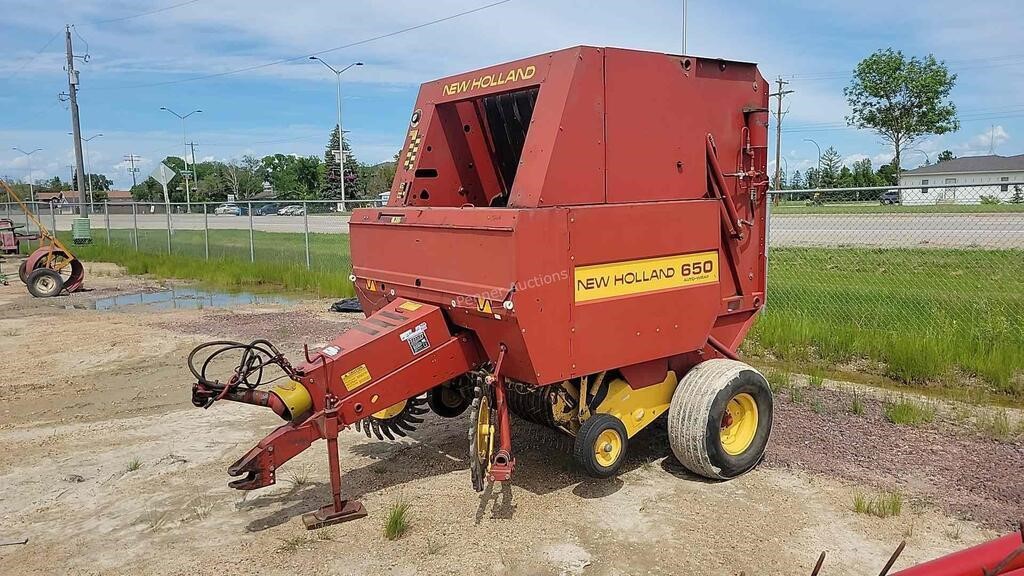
{"x": 267, "y": 210}
{"x": 890, "y": 197}
{"x": 230, "y": 209}
{"x": 292, "y": 210}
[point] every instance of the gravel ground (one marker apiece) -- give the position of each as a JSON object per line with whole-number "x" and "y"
{"x": 943, "y": 464}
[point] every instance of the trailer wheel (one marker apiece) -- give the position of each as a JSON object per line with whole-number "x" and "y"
{"x": 720, "y": 418}
{"x": 447, "y": 401}
{"x": 23, "y": 271}
{"x": 44, "y": 283}
{"x": 601, "y": 445}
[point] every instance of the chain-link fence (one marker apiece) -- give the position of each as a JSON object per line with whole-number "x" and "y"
{"x": 299, "y": 232}
{"x": 926, "y": 282}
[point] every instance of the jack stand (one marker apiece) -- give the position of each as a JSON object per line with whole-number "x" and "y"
{"x": 340, "y": 510}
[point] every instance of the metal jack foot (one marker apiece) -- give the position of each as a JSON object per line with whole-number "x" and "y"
{"x": 339, "y": 510}
{"x": 328, "y": 515}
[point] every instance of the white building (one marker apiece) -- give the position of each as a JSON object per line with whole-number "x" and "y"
{"x": 990, "y": 176}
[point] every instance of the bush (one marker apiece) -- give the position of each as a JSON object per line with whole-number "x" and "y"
{"x": 990, "y": 200}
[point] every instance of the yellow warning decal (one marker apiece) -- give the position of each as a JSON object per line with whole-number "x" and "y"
{"x": 356, "y": 377}
{"x": 410, "y": 306}
{"x": 648, "y": 275}
{"x": 483, "y": 305}
{"x": 371, "y": 285}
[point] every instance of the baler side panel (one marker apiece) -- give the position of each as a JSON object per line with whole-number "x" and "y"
{"x": 639, "y": 326}
{"x": 563, "y": 158}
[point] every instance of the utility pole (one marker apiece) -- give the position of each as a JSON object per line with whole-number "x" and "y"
{"x": 684, "y": 28}
{"x": 76, "y": 129}
{"x": 132, "y": 159}
{"x": 195, "y": 173}
{"x": 779, "y": 94}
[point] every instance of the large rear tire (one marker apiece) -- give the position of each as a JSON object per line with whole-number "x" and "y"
{"x": 720, "y": 418}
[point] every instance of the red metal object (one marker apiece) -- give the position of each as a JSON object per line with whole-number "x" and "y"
{"x": 1002, "y": 556}
{"x": 52, "y": 254}
{"x": 586, "y": 210}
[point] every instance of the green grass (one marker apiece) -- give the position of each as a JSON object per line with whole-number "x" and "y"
{"x": 856, "y": 403}
{"x": 908, "y": 412}
{"x": 280, "y": 259}
{"x": 397, "y": 521}
{"x": 943, "y": 318}
{"x": 928, "y": 316}
{"x": 996, "y": 424}
{"x": 133, "y": 465}
{"x": 796, "y": 207}
{"x": 885, "y": 504}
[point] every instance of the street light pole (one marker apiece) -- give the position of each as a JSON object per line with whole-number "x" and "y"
{"x": 819, "y": 157}
{"x": 31, "y": 187}
{"x": 184, "y": 157}
{"x": 341, "y": 133}
{"x": 684, "y": 28}
{"x": 927, "y": 158}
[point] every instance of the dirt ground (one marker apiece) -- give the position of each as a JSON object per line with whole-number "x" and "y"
{"x": 108, "y": 469}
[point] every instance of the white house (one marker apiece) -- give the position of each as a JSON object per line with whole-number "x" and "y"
{"x": 990, "y": 176}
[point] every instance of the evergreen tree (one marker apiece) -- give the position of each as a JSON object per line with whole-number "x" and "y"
{"x": 354, "y": 188}
{"x": 831, "y": 163}
{"x": 796, "y": 182}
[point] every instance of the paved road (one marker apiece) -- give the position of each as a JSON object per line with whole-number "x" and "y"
{"x": 900, "y": 230}
{"x": 884, "y": 230}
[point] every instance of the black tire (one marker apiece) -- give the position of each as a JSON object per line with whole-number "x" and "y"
{"x": 23, "y": 271}
{"x": 589, "y": 443}
{"x": 45, "y": 283}
{"x": 447, "y": 400}
{"x": 700, "y": 409}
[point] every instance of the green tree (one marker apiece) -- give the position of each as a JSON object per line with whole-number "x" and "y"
{"x": 846, "y": 178}
{"x": 863, "y": 174}
{"x": 331, "y": 188}
{"x": 901, "y": 99}
{"x": 887, "y": 174}
{"x": 1018, "y": 195}
{"x": 797, "y": 181}
{"x": 831, "y": 164}
{"x": 813, "y": 178}
{"x": 945, "y": 156}
{"x": 378, "y": 177}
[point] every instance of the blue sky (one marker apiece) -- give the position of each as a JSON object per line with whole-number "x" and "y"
{"x": 138, "y": 64}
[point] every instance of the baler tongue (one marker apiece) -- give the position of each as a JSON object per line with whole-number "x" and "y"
{"x": 374, "y": 375}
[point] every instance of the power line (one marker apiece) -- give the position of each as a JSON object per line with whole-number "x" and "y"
{"x": 317, "y": 53}
{"x": 155, "y": 11}
{"x": 32, "y": 58}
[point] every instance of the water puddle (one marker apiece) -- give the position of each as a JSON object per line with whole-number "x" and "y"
{"x": 181, "y": 298}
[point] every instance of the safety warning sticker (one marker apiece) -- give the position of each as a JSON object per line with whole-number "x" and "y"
{"x": 356, "y": 377}
{"x": 417, "y": 338}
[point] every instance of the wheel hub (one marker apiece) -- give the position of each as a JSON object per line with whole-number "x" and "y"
{"x": 739, "y": 424}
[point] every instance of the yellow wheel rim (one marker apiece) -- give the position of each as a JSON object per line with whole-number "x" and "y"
{"x": 484, "y": 432}
{"x": 739, "y": 424}
{"x": 390, "y": 411}
{"x": 607, "y": 448}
